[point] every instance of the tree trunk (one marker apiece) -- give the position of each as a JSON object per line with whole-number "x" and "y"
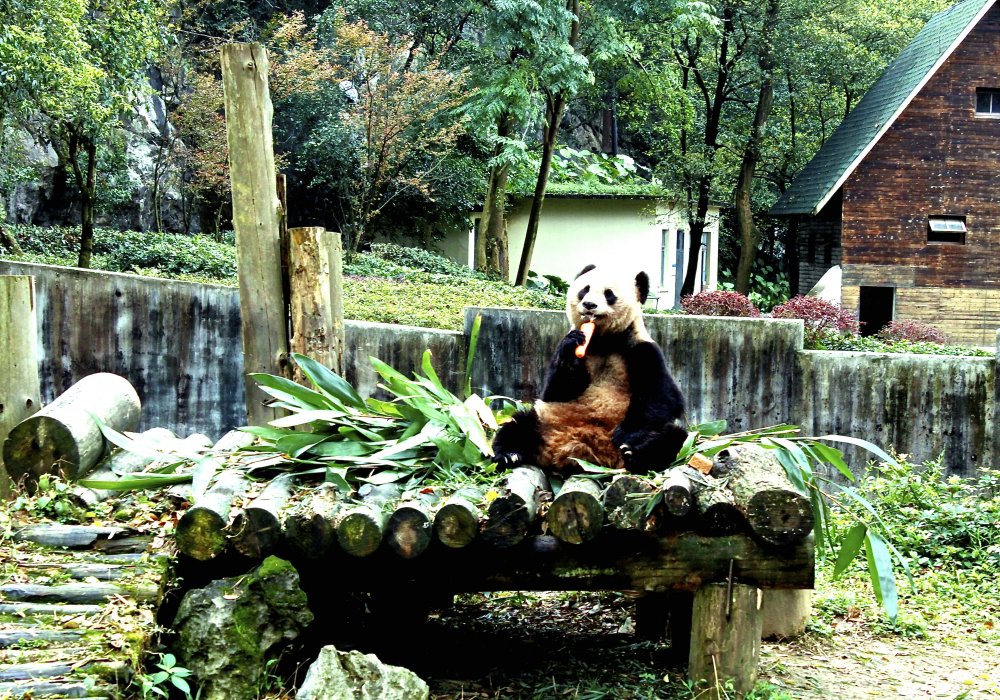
{"x": 86, "y": 182}
{"x": 18, "y": 359}
{"x": 745, "y": 227}
{"x": 725, "y": 639}
{"x": 492, "y": 253}
{"x": 557, "y": 103}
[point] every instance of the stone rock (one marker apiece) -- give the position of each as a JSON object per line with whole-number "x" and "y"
{"x": 337, "y": 675}
{"x": 226, "y": 629}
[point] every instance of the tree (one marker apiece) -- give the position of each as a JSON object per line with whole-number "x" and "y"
{"x": 399, "y": 120}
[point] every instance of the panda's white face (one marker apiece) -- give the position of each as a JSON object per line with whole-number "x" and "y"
{"x": 610, "y": 301}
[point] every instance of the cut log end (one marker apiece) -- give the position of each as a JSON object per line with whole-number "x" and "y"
{"x": 456, "y": 524}
{"x": 359, "y": 532}
{"x": 40, "y": 445}
{"x": 409, "y": 531}
{"x": 201, "y": 534}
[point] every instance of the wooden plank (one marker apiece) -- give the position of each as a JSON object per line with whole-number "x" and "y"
{"x": 616, "y": 561}
{"x": 316, "y": 296}
{"x": 20, "y": 389}
{"x": 256, "y": 219}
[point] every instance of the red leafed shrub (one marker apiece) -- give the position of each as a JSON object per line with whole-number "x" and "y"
{"x": 914, "y": 331}
{"x": 821, "y": 318}
{"x": 718, "y": 303}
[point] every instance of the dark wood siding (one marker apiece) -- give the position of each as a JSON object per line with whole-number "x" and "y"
{"x": 818, "y": 240}
{"x": 938, "y": 158}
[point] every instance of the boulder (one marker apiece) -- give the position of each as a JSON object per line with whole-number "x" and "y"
{"x": 227, "y": 629}
{"x": 337, "y": 675}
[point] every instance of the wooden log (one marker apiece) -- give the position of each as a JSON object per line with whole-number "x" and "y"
{"x": 77, "y": 593}
{"x": 48, "y": 609}
{"x": 71, "y": 536}
{"x": 510, "y": 514}
{"x": 456, "y": 523}
{"x": 411, "y": 525}
{"x": 20, "y": 389}
{"x": 677, "y": 492}
{"x": 310, "y": 529}
{"x": 59, "y": 689}
{"x": 577, "y": 514}
{"x": 774, "y": 510}
{"x": 63, "y": 438}
{"x": 716, "y": 508}
{"x": 201, "y": 531}
{"x": 112, "y": 467}
{"x": 360, "y": 527}
{"x": 256, "y": 219}
{"x": 626, "y": 502}
{"x": 725, "y": 639}
{"x": 256, "y": 530}
{"x": 20, "y": 636}
{"x": 108, "y": 669}
{"x": 316, "y": 302}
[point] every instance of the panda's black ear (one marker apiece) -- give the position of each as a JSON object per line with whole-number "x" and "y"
{"x": 584, "y": 271}
{"x": 642, "y": 286}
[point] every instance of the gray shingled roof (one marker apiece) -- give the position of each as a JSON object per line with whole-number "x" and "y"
{"x": 880, "y": 106}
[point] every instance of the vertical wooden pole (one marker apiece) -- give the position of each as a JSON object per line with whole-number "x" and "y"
{"x": 19, "y": 388}
{"x": 256, "y": 218}
{"x": 317, "y": 296}
{"x": 725, "y": 639}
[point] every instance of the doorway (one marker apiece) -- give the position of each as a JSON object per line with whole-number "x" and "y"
{"x": 876, "y": 308}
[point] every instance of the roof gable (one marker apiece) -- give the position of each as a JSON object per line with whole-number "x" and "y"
{"x": 879, "y": 108}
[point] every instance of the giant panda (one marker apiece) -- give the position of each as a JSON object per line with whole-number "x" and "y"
{"x": 618, "y": 406}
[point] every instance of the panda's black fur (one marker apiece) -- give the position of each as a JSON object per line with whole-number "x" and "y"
{"x": 616, "y": 407}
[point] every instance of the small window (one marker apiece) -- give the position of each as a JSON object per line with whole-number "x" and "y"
{"x": 946, "y": 229}
{"x": 988, "y": 102}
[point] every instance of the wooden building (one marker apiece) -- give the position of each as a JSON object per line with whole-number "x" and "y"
{"x": 905, "y": 194}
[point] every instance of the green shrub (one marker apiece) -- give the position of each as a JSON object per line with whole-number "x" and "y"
{"x": 421, "y": 260}
{"x": 873, "y": 344}
{"x": 822, "y": 318}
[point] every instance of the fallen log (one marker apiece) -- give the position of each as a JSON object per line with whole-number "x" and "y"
{"x": 309, "y": 525}
{"x": 71, "y": 536}
{"x": 626, "y": 502}
{"x": 715, "y": 506}
{"x": 23, "y": 610}
{"x": 17, "y": 636}
{"x": 256, "y": 530}
{"x": 456, "y": 523}
{"x": 107, "y": 668}
{"x": 774, "y": 510}
{"x": 577, "y": 514}
{"x": 63, "y": 438}
{"x": 515, "y": 509}
{"x": 677, "y": 497}
{"x": 201, "y": 531}
{"x": 112, "y": 467}
{"x": 360, "y": 527}
{"x": 78, "y": 593}
{"x": 410, "y": 527}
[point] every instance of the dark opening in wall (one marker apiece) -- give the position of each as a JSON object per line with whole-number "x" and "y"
{"x": 876, "y": 308}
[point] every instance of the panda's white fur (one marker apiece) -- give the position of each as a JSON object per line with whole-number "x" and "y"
{"x": 584, "y": 411}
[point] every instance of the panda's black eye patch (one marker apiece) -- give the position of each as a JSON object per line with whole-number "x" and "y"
{"x": 583, "y": 292}
{"x": 610, "y": 297}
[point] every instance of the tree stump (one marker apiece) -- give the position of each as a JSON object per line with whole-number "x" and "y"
{"x": 725, "y": 639}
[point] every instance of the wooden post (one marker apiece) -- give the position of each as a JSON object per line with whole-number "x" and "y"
{"x": 256, "y": 218}
{"x": 317, "y": 296}
{"x": 19, "y": 390}
{"x": 725, "y": 639}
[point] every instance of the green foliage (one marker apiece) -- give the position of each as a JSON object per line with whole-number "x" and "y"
{"x": 823, "y": 319}
{"x": 158, "y": 683}
{"x": 418, "y": 259}
{"x": 768, "y": 285}
{"x": 52, "y": 499}
{"x": 873, "y": 344}
{"x": 582, "y": 172}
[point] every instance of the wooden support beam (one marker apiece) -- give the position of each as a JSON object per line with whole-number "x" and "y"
{"x": 725, "y": 639}
{"x": 19, "y": 390}
{"x": 316, "y": 296}
{"x": 256, "y": 219}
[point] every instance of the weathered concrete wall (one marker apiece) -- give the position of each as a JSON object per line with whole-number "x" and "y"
{"x": 754, "y": 373}
{"x": 179, "y": 344}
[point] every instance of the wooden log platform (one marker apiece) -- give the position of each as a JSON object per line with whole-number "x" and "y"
{"x": 62, "y": 639}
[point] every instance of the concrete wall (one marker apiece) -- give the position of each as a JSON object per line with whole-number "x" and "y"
{"x": 179, "y": 344}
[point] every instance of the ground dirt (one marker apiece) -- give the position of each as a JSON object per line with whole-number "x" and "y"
{"x": 557, "y": 645}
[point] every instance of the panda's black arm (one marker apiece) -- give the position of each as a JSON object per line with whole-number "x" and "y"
{"x": 656, "y": 398}
{"x": 567, "y": 377}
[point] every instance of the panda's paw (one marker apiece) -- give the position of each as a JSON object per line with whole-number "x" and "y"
{"x": 626, "y": 452}
{"x": 569, "y": 344}
{"x": 508, "y": 460}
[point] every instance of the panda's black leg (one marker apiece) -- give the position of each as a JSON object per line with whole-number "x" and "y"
{"x": 517, "y": 441}
{"x": 651, "y": 450}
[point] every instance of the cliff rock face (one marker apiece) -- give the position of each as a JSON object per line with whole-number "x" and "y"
{"x": 149, "y": 170}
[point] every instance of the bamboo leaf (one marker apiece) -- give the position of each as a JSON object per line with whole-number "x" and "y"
{"x": 383, "y": 477}
{"x": 329, "y": 382}
{"x": 137, "y": 481}
{"x": 850, "y": 545}
{"x": 833, "y": 456}
{"x": 304, "y": 417}
{"x": 136, "y": 447}
{"x": 710, "y": 429}
{"x": 266, "y": 433}
{"x": 295, "y": 444}
{"x": 880, "y": 571}
{"x": 864, "y": 444}
{"x": 471, "y": 355}
{"x": 477, "y": 406}
{"x": 288, "y": 391}
{"x": 341, "y": 448}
